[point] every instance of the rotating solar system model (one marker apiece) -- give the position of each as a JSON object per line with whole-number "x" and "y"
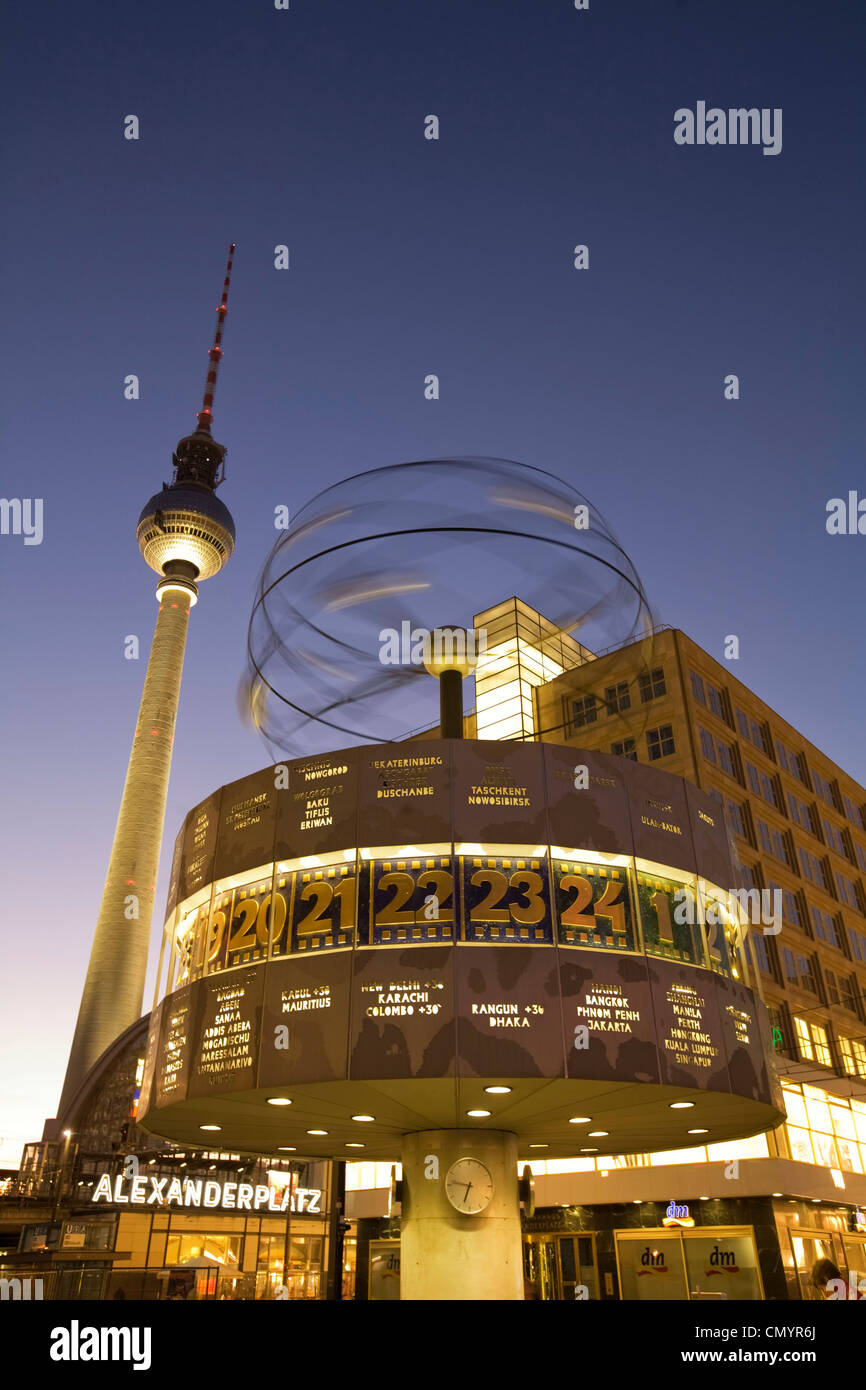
{"x": 459, "y": 951}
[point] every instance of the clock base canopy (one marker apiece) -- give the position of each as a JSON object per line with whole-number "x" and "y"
{"x": 460, "y": 1218}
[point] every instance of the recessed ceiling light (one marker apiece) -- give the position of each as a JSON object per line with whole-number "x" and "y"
{"x": 287, "y": 1149}
{"x": 279, "y": 1100}
{"x": 816, "y": 1199}
{"x": 354, "y": 1146}
{"x": 580, "y": 1120}
{"x": 317, "y": 1131}
{"x": 589, "y": 1151}
{"x": 699, "y": 1131}
{"x": 539, "y": 1146}
{"x": 599, "y": 1133}
{"x": 682, "y": 1105}
{"x": 210, "y": 1126}
{"x": 498, "y": 1090}
{"x": 636, "y": 1202}
{"x": 479, "y": 1115}
{"x": 364, "y": 1118}
{"x": 777, "y": 1194}
{"x": 704, "y": 1199}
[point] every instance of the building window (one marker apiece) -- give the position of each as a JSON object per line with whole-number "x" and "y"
{"x": 854, "y": 814}
{"x": 726, "y": 758}
{"x": 762, "y": 784}
{"x": 782, "y": 848}
{"x": 660, "y": 742}
{"x": 584, "y": 711}
{"x": 824, "y": 926}
{"x": 792, "y": 907}
{"x": 824, "y": 789}
{"x": 852, "y": 1053}
{"x": 781, "y": 1033}
{"x": 848, "y": 891}
{"x": 841, "y": 990}
{"x": 764, "y": 836}
{"x": 652, "y": 684}
{"x": 806, "y": 973}
{"x": 735, "y": 816}
{"x": 861, "y": 856}
{"x": 833, "y": 836}
{"x": 768, "y": 790}
{"x": 193, "y": 1248}
{"x": 799, "y": 970}
{"x": 708, "y": 747}
{"x": 697, "y": 687}
{"x": 812, "y": 1042}
{"x": 792, "y": 762}
{"x": 750, "y": 876}
{"x": 802, "y": 814}
{"x": 625, "y": 749}
{"x": 858, "y": 944}
{"x": 812, "y": 868}
{"x": 716, "y": 701}
{"x": 616, "y": 697}
{"x": 753, "y": 731}
{"x": 757, "y": 943}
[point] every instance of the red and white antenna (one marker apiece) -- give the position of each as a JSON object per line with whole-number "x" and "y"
{"x": 205, "y": 415}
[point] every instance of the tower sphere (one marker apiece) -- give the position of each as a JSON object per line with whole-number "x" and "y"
{"x": 186, "y": 522}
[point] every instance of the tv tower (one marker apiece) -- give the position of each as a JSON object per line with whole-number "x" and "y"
{"x": 186, "y": 535}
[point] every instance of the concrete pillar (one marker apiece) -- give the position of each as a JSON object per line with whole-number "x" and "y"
{"x": 114, "y": 986}
{"x": 445, "y": 1255}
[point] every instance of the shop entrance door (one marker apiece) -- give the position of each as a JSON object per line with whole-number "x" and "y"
{"x": 560, "y": 1268}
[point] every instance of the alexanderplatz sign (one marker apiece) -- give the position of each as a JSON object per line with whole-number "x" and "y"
{"x": 374, "y": 937}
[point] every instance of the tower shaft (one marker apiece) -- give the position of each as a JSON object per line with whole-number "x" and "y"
{"x": 114, "y": 986}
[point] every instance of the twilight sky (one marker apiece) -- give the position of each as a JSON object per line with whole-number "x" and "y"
{"x": 408, "y": 256}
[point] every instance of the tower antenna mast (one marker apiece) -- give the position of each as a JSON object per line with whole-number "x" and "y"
{"x": 205, "y": 415}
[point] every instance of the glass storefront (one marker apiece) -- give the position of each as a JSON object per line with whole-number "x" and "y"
{"x": 560, "y": 1267}
{"x": 671, "y": 1266}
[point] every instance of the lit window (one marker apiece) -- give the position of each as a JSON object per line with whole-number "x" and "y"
{"x": 822, "y": 1046}
{"x": 804, "y": 1041}
{"x": 852, "y": 1053}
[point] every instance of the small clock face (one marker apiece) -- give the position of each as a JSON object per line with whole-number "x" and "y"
{"x": 468, "y": 1186}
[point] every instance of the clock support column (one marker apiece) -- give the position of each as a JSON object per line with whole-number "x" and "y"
{"x": 444, "y": 1253}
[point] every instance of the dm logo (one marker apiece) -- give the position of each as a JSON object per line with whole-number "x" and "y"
{"x": 677, "y": 1216}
